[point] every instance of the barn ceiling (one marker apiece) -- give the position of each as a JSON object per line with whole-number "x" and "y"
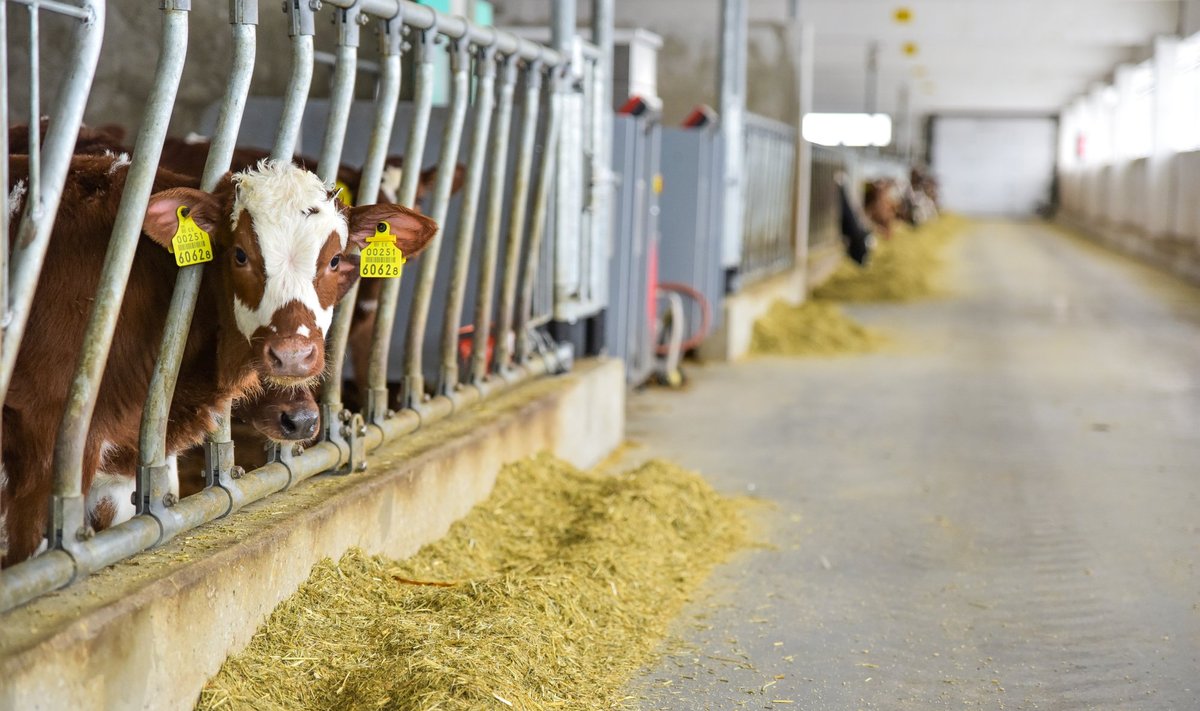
{"x": 978, "y": 56}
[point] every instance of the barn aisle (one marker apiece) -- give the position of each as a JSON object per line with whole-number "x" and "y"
{"x": 999, "y": 513}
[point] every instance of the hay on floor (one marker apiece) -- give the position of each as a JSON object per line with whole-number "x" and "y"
{"x": 906, "y": 267}
{"x": 550, "y": 594}
{"x": 813, "y": 328}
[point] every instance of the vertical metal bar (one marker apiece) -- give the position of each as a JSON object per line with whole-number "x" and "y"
{"x": 302, "y": 26}
{"x": 4, "y": 216}
{"x": 413, "y": 390}
{"x": 152, "y": 445}
{"x": 495, "y": 213}
{"x": 33, "y": 189}
{"x": 541, "y": 203}
{"x": 602, "y": 129}
{"x": 516, "y": 217}
{"x": 67, "y": 517}
{"x": 733, "y": 108}
{"x": 385, "y": 314}
{"x": 485, "y": 100}
{"x": 340, "y": 100}
{"x": 42, "y": 199}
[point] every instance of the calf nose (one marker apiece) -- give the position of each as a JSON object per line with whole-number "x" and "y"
{"x": 300, "y": 423}
{"x": 290, "y": 358}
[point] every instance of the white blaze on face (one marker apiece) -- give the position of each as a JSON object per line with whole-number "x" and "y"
{"x": 115, "y": 488}
{"x": 15, "y": 196}
{"x": 389, "y": 184}
{"x": 292, "y": 215}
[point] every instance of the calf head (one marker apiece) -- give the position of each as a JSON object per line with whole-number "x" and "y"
{"x": 282, "y": 414}
{"x": 284, "y": 247}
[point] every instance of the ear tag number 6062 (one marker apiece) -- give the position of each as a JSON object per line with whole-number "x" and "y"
{"x": 190, "y": 244}
{"x": 381, "y": 259}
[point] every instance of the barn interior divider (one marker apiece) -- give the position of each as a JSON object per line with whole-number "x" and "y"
{"x": 556, "y": 87}
{"x": 769, "y": 207}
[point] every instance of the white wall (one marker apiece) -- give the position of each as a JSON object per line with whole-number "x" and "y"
{"x": 994, "y": 166}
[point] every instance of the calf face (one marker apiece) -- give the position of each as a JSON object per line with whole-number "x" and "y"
{"x": 280, "y": 243}
{"x": 289, "y": 414}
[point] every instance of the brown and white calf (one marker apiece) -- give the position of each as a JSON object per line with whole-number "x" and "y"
{"x": 280, "y": 264}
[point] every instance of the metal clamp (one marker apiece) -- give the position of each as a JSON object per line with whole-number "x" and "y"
{"x": 243, "y": 12}
{"x": 284, "y": 453}
{"x": 68, "y": 524}
{"x": 302, "y": 16}
{"x": 348, "y": 431}
{"x": 152, "y": 495}
{"x": 349, "y": 22}
{"x": 391, "y": 34}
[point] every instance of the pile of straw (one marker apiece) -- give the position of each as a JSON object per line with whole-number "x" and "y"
{"x": 904, "y": 268}
{"x": 814, "y": 328}
{"x": 550, "y": 594}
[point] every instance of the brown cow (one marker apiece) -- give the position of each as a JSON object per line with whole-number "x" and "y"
{"x": 279, "y": 266}
{"x": 188, "y": 155}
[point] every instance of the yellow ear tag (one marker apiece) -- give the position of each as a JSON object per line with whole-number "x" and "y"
{"x": 190, "y": 243}
{"x": 345, "y": 194}
{"x": 381, "y": 258}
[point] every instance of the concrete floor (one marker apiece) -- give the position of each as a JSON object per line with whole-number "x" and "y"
{"x": 1003, "y": 512}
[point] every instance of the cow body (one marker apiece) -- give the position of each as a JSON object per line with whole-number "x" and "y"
{"x": 263, "y": 308}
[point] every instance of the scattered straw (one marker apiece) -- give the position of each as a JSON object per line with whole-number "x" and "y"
{"x": 560, "y": 586}
{"x": 814, "y": 328}
{"x": 906, "y": 267}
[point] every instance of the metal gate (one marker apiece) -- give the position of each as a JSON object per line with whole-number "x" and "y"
{"x": 497, "y": 243}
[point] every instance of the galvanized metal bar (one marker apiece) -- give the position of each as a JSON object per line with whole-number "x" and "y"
{"x": 541, "y": 203}
{"x": 485, "y": 101}
{"x": 34, "y": 187}
{"x": 67, "y": 520}
{"x": 43, "y": 195}
{"x": 152, "y": 446}
{"x": 505, "y": 337}
{"x": 495, "y": 214}
{"x": 4, "y": 213}
{"x": 423, "y": 17}
{"x": 79, "y": 13}
{"x": 602, "y": 177}
{"x": 302, "y": 26}
{"x": 385, "y": 313}
{"x": 340, "y": 100}
{"x": 413, "y": 388}
{"x": 732, "y": 91}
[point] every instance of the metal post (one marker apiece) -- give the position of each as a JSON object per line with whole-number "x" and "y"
{"x": 732, "y": 80}
{"x": 541, "y": 203}
{"x": 348, "y": 21}
{"x": 391, "y": 44}
{"x": 495, "y": 213}
{"x": 603, "y": 178}
{"x": 485, "y": 99}
{"x": 302, "y": 26}
{"x": 43, "y": 195}
{"x": 413, "y": 390}
{"x": 505, "y": 335}
{"x": 385, "y": 314}
{"x": 152, "y": 472}
{"x": 67, "y": 510}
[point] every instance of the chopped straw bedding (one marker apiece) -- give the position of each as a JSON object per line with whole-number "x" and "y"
{"x": 550, "y": 594}
{"x": 907, "y": 267}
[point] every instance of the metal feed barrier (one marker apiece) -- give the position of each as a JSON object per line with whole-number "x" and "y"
{"x": 769, "y": 207}
{"x": 555, "y": 87}
{"x": 824, "y": 217}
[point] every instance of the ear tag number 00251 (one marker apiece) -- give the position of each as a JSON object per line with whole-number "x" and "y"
{"x": 190, "y": 243}
{"x": 381, "y": 258}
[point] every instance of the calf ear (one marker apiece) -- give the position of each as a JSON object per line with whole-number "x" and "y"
{"x": 162, "y": 218}
{"x": 413, "y": 230}
{"x": 429, "y": 177}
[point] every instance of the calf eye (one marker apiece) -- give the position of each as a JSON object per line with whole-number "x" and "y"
{"x": 239, "y": 256}
{"x": 333, "y": 263}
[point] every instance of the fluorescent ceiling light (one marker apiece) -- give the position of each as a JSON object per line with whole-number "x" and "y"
{"x": 848, "y": 129}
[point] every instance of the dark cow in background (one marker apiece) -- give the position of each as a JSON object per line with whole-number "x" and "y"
{"x": 281, "y": 262}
